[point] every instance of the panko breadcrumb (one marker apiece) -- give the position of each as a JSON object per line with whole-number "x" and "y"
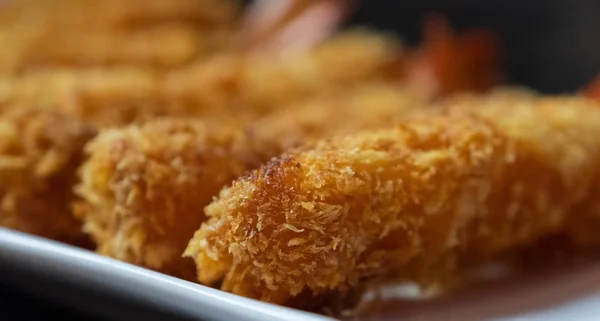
{"x": 101, "y": 96}
{"x": 265, "y": 83}
{"x": 40, "y": 151}
{"x": 119, "y": 14}
{"x": 226, "y": 84}
{"x": 162, "y": 46}
{"x": 368, "y": 106}
{"x": 145, "y": 187}
{"x": 155, "y": 33}
{"x": 409, "y": 202}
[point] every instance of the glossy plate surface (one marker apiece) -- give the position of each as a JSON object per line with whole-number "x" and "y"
{"x": 63, "y": 263}
{"x": 91, "y": 280}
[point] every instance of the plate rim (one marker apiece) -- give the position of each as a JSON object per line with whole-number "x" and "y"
{"x": 150, "y": 287}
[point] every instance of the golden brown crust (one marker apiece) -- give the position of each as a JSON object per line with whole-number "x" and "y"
{"x": 162, "y": 46}
{"x": 39, "y": 154}
{"x": 266, "y": 83}
{"x": 150, "y": 160}
{"x": 155, "y": 33}
{"x": 120, "y": 14}
{"x": 368, "y": 106}
{"x": 225, "y": 84}
{"x": 144, "y": 188}
{"x": 407, "y": 202}
{"x": 102, "y": 96}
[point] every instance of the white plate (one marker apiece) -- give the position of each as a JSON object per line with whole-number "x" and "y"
{"x": 62, "y": 262}
{"x": 574, "y": 295}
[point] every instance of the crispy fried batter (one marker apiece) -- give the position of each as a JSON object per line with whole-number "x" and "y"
{"x": 40, "y": 151}
{"x": 371, "y": 105}
{"x": 55, "y": 88}
{"x": 266, "y": 83}
{"x": 225, "y": 84}
{"x": 161, "y": 46}
{"x": 409, "y": 202}
{"x": 144, "y": 188}
{"x": 101, "y": 96}
{"x": 119, "y": 13}
{"x": 155, "y": 33}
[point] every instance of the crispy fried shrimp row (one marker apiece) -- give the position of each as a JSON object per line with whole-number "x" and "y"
{"x": 226, "y": 84}
{"x": 409, "y": 202}
{"x": 101, "y": 96}
{"x": 145, "y": 187}
{"x": 155, "y": 33}
{"x": 162, "y": 46}
{"x": 265, "y": 83}
{"x": 119, "y": 14}
{"x": 371, "y": 105}
{"x": 39, "y": 155}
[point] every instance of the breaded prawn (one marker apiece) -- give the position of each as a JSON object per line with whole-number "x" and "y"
{"x": 40, "y": 151}
{"x": 226, "y": 84}
{"x": 409, "y": 202}
{"x": 100, "y": 96}
{"x": 346, "y": 60}
{"x": 156, "y": 33}
{"x": 155, "y": 46}
{"x": 370, "y": 105}
{"x": 265, "y": 83}
{"x": 118, "y": 13}
{"x": 144, "y": 187}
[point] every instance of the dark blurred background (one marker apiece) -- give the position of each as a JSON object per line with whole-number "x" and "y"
{"x": 549, "y": 45}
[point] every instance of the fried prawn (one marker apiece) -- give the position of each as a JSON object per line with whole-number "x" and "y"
{"x": 40, "y": 151}
{"x": 410, "y": 202}
{"x": 156, "y": 33}
{"x": 144, "y": 187}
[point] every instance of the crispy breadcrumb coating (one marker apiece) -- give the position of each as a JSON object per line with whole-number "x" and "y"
{"x": 119, "y": 13}
{"x": 54, "y": 87}
{"x": 225, "y": 84}
{"x": 409, "y": 202}
{"x": 100, "y": 96}
{"x": 145, "y": 187}
{"x": 265, "y": 83}
{"x": 40, "y": 151}
{"x": 371, "y": 105}
{"x": 155, "y": 33}
{"x": 162, "y": 46}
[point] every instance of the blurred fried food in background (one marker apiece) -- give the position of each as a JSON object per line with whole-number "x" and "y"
{"x": 40, "y": 151}
{"x": 153, "y": 33}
